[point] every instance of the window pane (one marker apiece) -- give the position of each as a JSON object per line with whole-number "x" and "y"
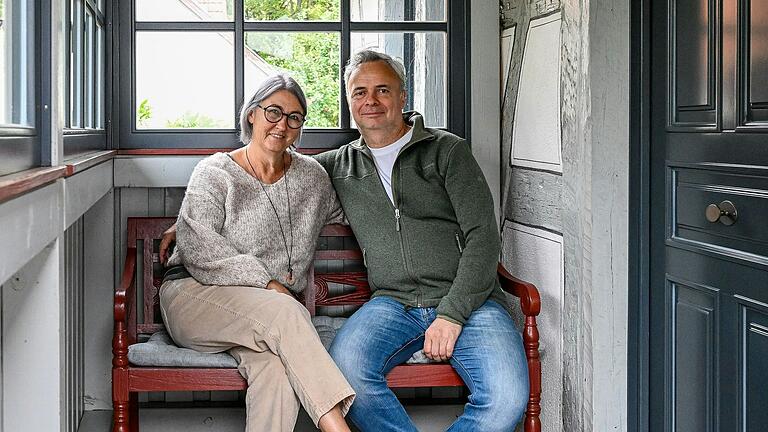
{"x": 424, "y": 57}
{"x": 292, "y": 10}
{"x": 397, "y": 10}
{"x": 100, "y": 78}
{"x": 184, "y": 80}
{"x": 76, "y": 65}
{"x": 311, "y": 58}
{"x": 89, "y": 70}
{"x": 184, "y": 10}
{"x": 17, "y": 62}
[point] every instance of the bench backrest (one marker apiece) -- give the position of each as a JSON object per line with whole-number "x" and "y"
{"x": 337, "y": 277}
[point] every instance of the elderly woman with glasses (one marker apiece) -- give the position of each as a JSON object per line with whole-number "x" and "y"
{"x": 246, "y": 235}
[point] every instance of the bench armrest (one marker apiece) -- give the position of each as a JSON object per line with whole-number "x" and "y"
{"x": 125, "y": 294}
{"x": 530, "y": 300}
{"x": 530, "y": 303}
{"x": 125, "y": 316}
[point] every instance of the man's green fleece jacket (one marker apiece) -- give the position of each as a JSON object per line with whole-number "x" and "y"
{"x": 438, "y": 244}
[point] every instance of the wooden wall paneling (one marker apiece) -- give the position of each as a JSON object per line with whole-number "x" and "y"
{"x": 99, "y": 238}
{"x": 29, "y": 223}
{"x": 156, "y": 201}
{"x": 173, "y": 198}
{"x": 84, "y": 189}
{"x": 32, "y": 325}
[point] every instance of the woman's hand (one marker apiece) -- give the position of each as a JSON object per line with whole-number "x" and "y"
{"x": 169, "y": 236}
{"x": 277, "y": 286}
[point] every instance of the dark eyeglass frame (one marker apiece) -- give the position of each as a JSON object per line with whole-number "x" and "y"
{"x": 294, "y": 116}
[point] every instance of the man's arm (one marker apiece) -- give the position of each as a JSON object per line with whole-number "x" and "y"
{"x": 327, "y": 159}
{"x": 473, "y": 204}
{"x": 472, "y": 201}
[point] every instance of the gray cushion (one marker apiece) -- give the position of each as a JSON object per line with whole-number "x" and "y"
{"x": 160, "y": 350}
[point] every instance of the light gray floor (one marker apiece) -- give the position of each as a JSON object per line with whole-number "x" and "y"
{"x": 428, "y": 418}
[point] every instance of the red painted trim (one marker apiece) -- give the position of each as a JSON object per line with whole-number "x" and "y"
{"x": 82, "y": 163}
{"x": 424, "y": 375}
{"x": 184, "y": 379}
{"x": 172, "y": 152}
{"x": 196, "y": 151}
{"x": 13, "y": 185}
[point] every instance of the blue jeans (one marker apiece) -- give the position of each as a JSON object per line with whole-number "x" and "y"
{"x": 488, "y": 355}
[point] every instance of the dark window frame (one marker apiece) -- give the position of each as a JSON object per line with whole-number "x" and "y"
{"x": 81, "y": 135}
{"x": 457, "y": 32}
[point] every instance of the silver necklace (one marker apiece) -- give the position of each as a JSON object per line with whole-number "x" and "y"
{"x": 288, "y": 251}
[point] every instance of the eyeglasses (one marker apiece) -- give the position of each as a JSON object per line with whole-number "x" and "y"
{"x": 274, "y": 114}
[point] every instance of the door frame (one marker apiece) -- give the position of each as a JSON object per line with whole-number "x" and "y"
{"x": 638, "y": 377}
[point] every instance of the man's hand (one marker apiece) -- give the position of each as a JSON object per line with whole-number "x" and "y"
{"x": 169, "y": 236}
{"x": 440, "y": 338}
{"x": 277, "y": 286}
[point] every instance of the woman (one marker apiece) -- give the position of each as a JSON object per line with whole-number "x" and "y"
{"x": 246, "y": 235}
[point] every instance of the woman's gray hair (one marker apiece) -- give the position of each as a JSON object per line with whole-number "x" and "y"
{"x": 368, "y": 55}
{"x": 267, "y": 88}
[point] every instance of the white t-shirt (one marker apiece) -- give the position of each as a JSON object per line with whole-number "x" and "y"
{"x": 384, "y": 158}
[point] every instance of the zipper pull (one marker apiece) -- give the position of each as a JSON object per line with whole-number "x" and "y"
{"x": 458, "y": 244}
{"x": 397, "y": 219}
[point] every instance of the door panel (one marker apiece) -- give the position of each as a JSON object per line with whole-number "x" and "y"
{"x": 754, "y": 15}
{"x": 693, "y": 323}
{"x": 754, "y": 383}
{"x": 709, "y": 279}
{"x": 693, "y": 58}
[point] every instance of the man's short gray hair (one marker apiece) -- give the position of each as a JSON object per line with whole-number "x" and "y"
{"x": 369, "y": 55}
{"x": 267, "y": 88}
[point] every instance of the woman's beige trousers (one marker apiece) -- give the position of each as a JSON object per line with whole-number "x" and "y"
{"x": 271, "y": 336}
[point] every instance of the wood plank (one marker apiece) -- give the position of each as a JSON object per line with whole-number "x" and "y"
{"x": 13, "y": 185}
{"x": 89, "y": 160}
{"x": 185, "y": 379}
{"x": 423, "y": 375}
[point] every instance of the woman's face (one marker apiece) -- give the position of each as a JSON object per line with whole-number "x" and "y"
{"x": 275, "y": 137}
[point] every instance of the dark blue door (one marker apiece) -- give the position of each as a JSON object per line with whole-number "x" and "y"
{"x": 709, "y": 216}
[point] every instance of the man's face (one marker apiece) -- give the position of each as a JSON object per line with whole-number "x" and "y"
{"x": 375, "y": 98}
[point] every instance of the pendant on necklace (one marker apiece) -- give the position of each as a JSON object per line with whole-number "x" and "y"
{"x": 289, "y": 279}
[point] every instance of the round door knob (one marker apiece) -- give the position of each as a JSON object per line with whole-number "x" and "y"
{"x": 725, "y": 213}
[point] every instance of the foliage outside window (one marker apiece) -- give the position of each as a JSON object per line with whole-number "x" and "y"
{"x": 188, "y": 75}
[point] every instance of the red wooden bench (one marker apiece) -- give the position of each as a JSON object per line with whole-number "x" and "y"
{"x": 128, "y": 379}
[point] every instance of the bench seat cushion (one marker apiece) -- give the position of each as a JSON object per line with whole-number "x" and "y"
{"x": 160, "y": 351}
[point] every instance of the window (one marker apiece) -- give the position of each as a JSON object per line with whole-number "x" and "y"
{"x": 18, "y": 136}
{"x": 192, "y": 63}
{"x": 86, "y": 85}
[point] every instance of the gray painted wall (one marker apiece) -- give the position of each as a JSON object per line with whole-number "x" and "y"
{"x": 44, "y": 248}
{"x": 587, "y": 204}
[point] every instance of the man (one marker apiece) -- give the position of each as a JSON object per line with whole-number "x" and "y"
{"x": 422, "y": 213}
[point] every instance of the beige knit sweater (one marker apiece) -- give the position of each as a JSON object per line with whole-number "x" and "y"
{"x": 228, "y": 233}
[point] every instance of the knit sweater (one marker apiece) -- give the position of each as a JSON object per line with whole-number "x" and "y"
{"x": 227, "y": 230}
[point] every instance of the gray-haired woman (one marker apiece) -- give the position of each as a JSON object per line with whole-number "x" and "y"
{"x": 246, "y": 235}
